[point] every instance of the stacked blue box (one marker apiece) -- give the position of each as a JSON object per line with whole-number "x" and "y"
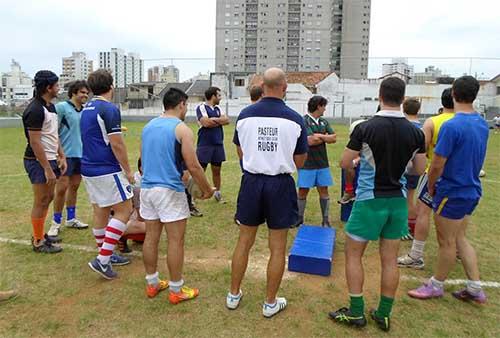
{"x": 312, "y": 250}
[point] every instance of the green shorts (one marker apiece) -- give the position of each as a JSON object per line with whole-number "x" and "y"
{"x": 378, "y": 218}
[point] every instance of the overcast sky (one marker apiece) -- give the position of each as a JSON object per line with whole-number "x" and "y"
{"x": 38, "y": 33}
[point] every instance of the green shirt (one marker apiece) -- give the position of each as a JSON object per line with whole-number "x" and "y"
{"x": 317, "y": 157}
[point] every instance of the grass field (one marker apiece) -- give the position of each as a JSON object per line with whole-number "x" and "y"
{"x": 60, "y": 296}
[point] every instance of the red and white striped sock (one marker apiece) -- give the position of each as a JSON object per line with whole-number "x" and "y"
{"x": 114, "y": 231}
{"x": 99, "y": 236}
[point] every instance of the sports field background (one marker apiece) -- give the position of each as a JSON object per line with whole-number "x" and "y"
{"x": 60, "y": 296}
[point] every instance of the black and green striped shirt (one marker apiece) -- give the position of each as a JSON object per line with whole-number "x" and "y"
{"x": 317, "y": 157}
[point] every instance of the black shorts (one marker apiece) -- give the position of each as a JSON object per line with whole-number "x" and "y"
{"x": 74, "y": 166}
{"x": 36, "y": 172}
{"x": 270, "y": 199}
{"x": 412, "y": 181}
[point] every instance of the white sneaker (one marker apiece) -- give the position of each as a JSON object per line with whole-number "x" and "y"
{"x": 54, "y": 229}
{"x": 232, "y": 302}
{"x": 77, "y": 224}
{"x": 270, "y": 310}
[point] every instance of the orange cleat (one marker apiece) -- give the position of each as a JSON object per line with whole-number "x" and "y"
{"x": 186, "y": 293}
{"x": 152, "y": 291}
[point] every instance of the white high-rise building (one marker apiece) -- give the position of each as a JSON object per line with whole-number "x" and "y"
{"x": 399, "y": 65}
{"x": 125, "y": 68}
{"x": 16, "y": 86}
{"x": 76, "y": 67}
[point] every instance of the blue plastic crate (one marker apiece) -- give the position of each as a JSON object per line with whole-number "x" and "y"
{"x": 312, "y": 250}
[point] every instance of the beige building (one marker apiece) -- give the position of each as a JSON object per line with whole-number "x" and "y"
{"x": 76, "y": 67}
{"x": 296, "y": 35}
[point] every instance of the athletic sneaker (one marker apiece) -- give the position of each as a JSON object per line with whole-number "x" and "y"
{"x": 426, "y": 291}
{"x": 54, "y": 229}
{"x": 195, "y": 212}
{"x": 218, "y": 198}
{"x": 153, "y": 290}
{"x": 344, "y": 315}
{"x": 105, "y": 271}
{"x": 347, "y": 198}
{"x": 118, "y": 260}
{"x": 186, "y": 293}
{"x": 407, "y": 261}
{"x": 45, "y": 247}
{"x": 76, "y": 224}
{"x": 232, "y": 302}
{"x": 465, "y": 295}
{"x": 270, "y": 310}
{"x": 384, "y": 323}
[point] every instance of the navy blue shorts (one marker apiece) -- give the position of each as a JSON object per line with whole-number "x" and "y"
{"x": 453, "y": 208}
{"x": 74, "y": 166}
{"x": 214, "y": 155}
{"x": 36, "y": 172}
{"x": 423, "y": 191}
{"x": 412, "y": 181}
{"x": 270, "y": 199}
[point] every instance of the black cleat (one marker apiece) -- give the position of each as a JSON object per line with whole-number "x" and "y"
{"x": 384, "y": 323}
{"x": 45, "y": 247}
{"x": 343, "y": 315}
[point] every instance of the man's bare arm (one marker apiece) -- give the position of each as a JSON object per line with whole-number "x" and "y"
{"x": 348, "y": 158}
{"x": 120, "y": 150}
{"x": 435, "y": 172}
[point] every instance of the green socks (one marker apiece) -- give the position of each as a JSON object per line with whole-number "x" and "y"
{"x": 357, "y": 306}
{"x": 385, "y": 306}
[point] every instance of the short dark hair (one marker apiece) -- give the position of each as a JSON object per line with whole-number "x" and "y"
{"x": 100, "y": 81}
{"x": 256, "y": 93}
{"x": 465, "y": 89}
{"x": 411, "y": 106}
{"x": 447, "y": 99}
{"x": 173, "y": 97}
{"x": 75, "y": 86}
{"x": 211, "y": 92}
{"x": 392, "y": 91}
{"x": 43, "y": 80}
{"x": 315, "y": 102}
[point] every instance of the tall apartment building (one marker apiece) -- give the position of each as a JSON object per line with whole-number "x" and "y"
{"x": 126, "y": 68}
{"x": 296, "y": 35}
{"x": 160, "y": 73}
{"x": 75, "y": 67}
{"x": 170, "y": 74}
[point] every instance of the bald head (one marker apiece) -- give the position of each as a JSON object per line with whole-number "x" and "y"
{"x": 275, "y": 83}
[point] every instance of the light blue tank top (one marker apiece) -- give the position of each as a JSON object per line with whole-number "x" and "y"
{"x": 161, "y": 155}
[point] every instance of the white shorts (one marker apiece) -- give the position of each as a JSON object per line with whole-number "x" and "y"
{"x": 108, "y": 190}
{"x": 164, "y": 204}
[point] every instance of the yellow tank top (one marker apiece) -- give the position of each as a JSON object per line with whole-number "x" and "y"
{"x": 438, "y": 121}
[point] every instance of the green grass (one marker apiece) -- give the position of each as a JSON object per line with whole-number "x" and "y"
{"x": 59, "y": 296}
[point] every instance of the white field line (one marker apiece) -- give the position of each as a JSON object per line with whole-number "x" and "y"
{"x": 14, "y": 175}
{"x": 490, "y": 181}
{"x": 287, "y": 275}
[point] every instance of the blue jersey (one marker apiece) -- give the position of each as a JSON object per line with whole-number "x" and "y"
{"x": 69, "y": 129}
{"x": 161, "y": 155}
{"x": 100, "y": 118}
{"x": 269, "y": 134}
{"x": 462, "y": 140}
{"x": 209, "y": 136}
